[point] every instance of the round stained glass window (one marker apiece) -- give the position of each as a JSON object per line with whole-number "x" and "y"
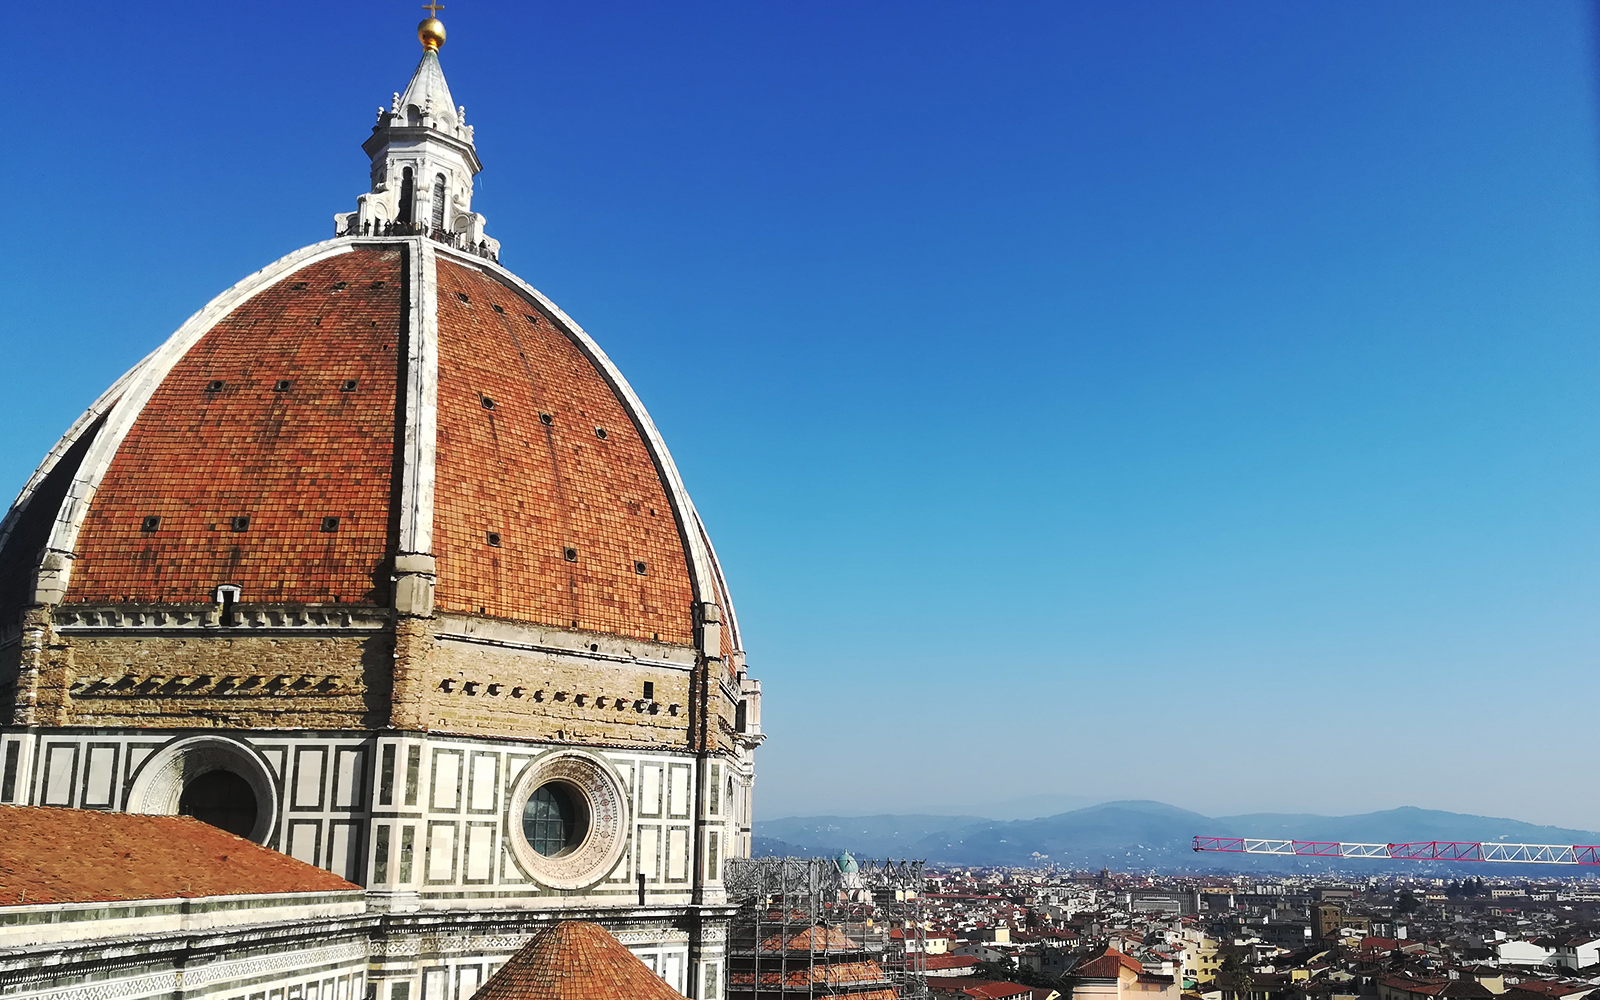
{"x": 555, "y": 820}
{"x": 568, "y": 817}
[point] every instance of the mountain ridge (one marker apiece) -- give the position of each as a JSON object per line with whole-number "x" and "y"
{"x": 1144, "y": 835}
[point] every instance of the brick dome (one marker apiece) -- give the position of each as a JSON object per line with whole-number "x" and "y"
{"x": 278, "y": 443}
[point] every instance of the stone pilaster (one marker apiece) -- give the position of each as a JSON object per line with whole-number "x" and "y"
{"x": 37, "y": 636}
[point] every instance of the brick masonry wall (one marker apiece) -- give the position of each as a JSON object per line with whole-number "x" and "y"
{"x": 543, "y": 697}
{"x": 244, "y": 682}
{"x": 196, "y": 458}
{"x": 545, "y": 487}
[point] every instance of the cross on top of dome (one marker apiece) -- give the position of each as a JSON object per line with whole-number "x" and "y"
{"x": 431, "y": 31}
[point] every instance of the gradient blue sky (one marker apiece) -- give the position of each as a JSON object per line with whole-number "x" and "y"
{"x": 1185, "y": 401}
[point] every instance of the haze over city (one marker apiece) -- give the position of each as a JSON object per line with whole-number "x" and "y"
{"x": 1193, "y": 403}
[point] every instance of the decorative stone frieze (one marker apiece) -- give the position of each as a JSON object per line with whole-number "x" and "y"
{"x": 75, "y": 618}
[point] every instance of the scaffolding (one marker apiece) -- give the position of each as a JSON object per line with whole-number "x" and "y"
{"x": 815, "y": 927}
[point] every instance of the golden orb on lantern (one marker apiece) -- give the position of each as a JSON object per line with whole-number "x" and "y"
{"x": 431, "y": 33}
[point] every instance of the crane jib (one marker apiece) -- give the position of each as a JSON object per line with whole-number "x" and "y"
{"x": 1426, "y": 850}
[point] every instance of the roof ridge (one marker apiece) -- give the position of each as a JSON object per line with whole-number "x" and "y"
{"x": 575, "y": 960}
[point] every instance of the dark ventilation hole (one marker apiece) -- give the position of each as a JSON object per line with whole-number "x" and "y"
{"x": 239, "y": 523}
{"x": 227, "y": 596}
{"x": 571, "y": 555}
{"x": 594, "y": 647}
{"x": 649, "y": 691}
{"x": 531, "y": 319}
{"x": 600, "y": 432}
{"x": 215, "y": 385}
{"x": 379, "y": 284}
{"x": 151, "y": 523}
{"x": 349, "y": 385}
{"x": 546, "y": 419}
{"x": 339, "y": 286}
{"x": 639, "y": 567}
{"x": 330, "y": 524}
{"x": 282, "y": 385}
{"x": 463, "y": 297}
{"x": 222, "y": 799}
{"x": 500, "y": 309}
{"x": 494, "y": 539}
{"x": 299, "y": 286}
{"x": 488, "y": 404}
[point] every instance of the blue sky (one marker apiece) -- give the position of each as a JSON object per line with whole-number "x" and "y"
{"x": 1192, "y": 402}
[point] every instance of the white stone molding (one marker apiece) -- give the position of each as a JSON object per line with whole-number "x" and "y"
{"x": 605, "y": 800}
{"x": 175, "y": 983}
{"x": 159, "y": 782}
{"x": 139, "y": 385}
{"x": 96, "y": 410}
{"x": 734, "y": 646}
{"x": 77, "y": 618}
{"x": 421, "y": 444}
{"x": 294, "y": 959}
{"x": 415, "y": 570}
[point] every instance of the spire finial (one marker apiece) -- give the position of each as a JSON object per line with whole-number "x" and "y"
{"x": 431, "y": 30}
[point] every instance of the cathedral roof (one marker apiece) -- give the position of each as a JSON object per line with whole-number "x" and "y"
{"x": 360, "y": 399}
{"x": 84, "y": 856}
{"x": 575, "y": 960}
{"x": 391, "y": 401}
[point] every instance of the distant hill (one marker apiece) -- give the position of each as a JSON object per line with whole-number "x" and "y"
{"x": 1151, "y": 836}
{"x": 869, "y": 836}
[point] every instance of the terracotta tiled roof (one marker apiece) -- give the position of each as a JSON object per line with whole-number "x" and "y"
{"x": 575, "y": 960}
{"x": 1545, "y": 988}
{"x": 266, "y": 457}
{"x": 1435, "y": 987}
{"x": 986, "y": 991}
{"x": 950, "y": 961}
{"x": 812, "y": 939}
{"x": 220, "y": 439}
{"x": 831, "y": 973}
{"x": 82, "y": 856}
{"x": 1108, "y": 966}
{"x": 585, "y": 480}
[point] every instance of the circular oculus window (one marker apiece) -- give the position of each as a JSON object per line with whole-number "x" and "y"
{"x": 567, "y": 819}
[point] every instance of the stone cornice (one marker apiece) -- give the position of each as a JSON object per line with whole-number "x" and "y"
{"x": 188, "y": 619}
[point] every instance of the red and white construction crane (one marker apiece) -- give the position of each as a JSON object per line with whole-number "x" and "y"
{"x": 1426, "y": 850}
